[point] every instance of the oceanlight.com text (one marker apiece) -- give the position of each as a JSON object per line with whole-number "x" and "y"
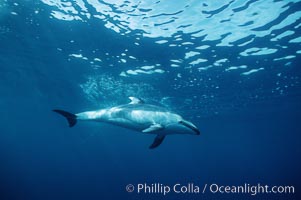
{"x": 251, "y": 189}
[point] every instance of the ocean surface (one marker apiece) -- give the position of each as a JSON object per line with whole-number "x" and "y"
{"x": 231, "y": 67}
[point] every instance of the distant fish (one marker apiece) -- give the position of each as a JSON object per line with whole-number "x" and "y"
{"x": 140, "y": 117}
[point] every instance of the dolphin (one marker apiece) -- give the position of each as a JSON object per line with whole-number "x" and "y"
{"x": 138, "y": 116}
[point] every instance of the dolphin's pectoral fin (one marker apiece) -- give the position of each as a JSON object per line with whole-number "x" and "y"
{"x": 154, "y": 127}
{"x": 135, "y": 100}
{"x": 157, "y": 141}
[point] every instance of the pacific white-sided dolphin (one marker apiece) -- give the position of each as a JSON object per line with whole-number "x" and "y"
{"x": 138, "y": 116}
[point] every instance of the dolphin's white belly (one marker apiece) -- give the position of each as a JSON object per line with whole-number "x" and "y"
{"x": 133, "y": 118}
{"x": 139, "y": 119}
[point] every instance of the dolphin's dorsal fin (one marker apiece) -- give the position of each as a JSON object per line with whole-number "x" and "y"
{"x": 135, "y": 100}
{"x": 157, "y": 141}
{"x": 154, "y": 127}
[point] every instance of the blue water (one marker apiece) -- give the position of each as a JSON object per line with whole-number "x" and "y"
{"x": 231, "y": 67}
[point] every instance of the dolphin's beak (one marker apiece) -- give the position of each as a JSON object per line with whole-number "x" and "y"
{"x": 190, "y": 126}
{"x": 195, "y": 130}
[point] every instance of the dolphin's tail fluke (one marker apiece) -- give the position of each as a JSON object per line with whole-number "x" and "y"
{"x": 71, "y": 118}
